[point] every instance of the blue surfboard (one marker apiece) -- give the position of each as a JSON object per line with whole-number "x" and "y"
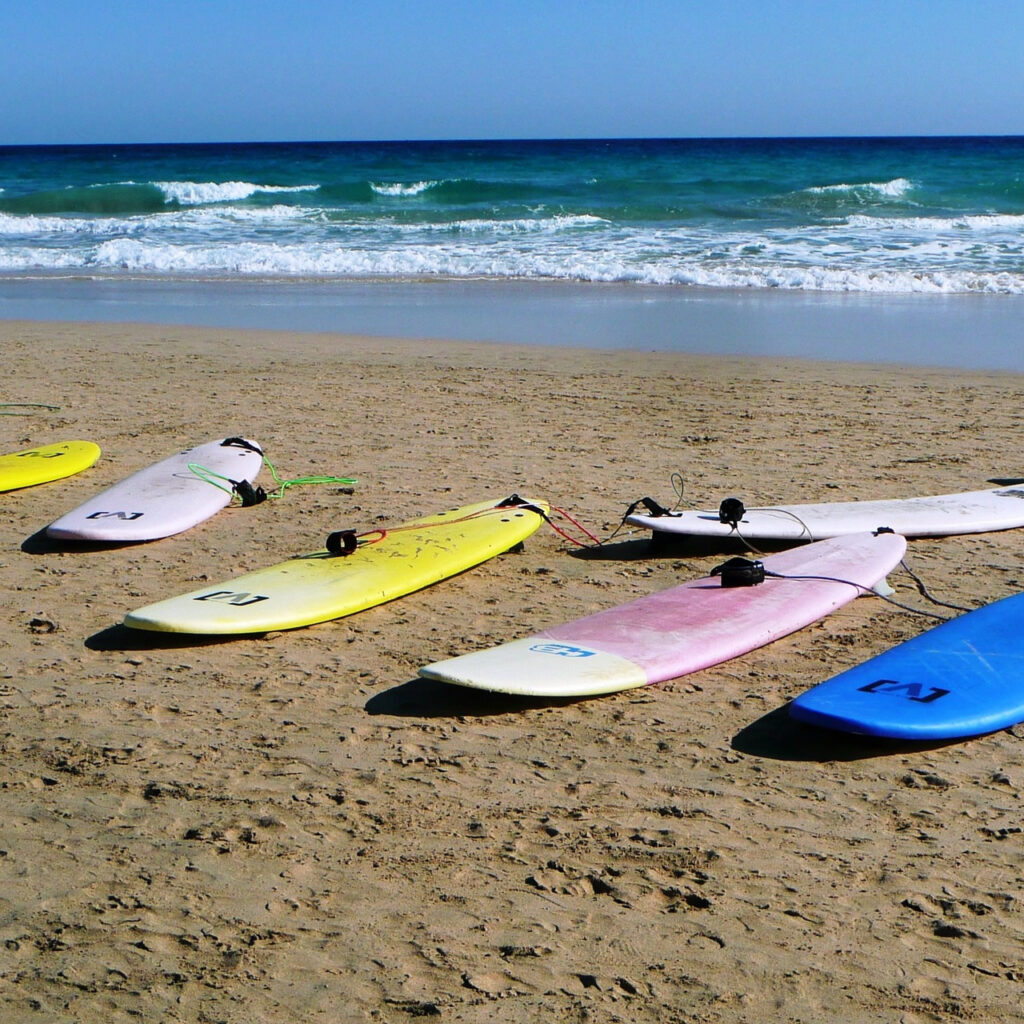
{"x": 963, "y": 678}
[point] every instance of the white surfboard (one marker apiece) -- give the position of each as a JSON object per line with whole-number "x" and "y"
{"x": 680, "y": 630}
{"x": 943, "y": 515}
{"x": 167, "y": 497}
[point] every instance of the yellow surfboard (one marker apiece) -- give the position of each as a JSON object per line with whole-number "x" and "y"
{"x": 355, "y": 572}
{"x": 49, "y": 462}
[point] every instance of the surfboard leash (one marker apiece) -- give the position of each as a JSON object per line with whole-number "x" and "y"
{"x": 747, "y": 572}
{"x": 242, "y": 489}
{"x": 344, "y": 542}
{"x": 253, "y": 494}
{"x": 730, "y": 512}
{"x": 5, "y": 406}
{"x": 594, "y": 541}
{"x": 924, "y": 592}
{"x": 653, "y": 507}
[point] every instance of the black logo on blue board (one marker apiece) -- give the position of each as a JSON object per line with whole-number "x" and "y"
{"x": 911, "y": 691}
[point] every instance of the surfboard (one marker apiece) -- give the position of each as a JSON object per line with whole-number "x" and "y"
{"x": 46, "y": 463}
{"x": 965, "y": 677}
{"x": 681, "y": 630}
{"x": 165, "y": 498}
{"x": 354, "y": 573}
{"x": 1001, "y": 508}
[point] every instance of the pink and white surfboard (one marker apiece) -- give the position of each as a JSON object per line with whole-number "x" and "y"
{"x": 681, "y": 630}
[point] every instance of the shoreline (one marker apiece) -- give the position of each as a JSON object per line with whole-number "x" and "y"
{"x": 273, "y": 827}
{"x": 962, "y": 332}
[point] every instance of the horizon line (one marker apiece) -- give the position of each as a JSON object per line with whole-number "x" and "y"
{"x": 477, "y": 140}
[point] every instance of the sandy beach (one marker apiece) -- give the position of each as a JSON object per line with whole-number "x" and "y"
{"x": 294, "y": 827}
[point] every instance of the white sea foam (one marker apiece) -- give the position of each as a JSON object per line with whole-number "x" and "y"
{"x": 250, "y": 259}
{"x": 523, "y": 225}
{"x": 195, "y": 193}
{"x": 976, "y": 253}
{"x": 934, "y": 225}
{"x": 600, "y": 264}
{"x": 397, "y": 188}
{"x": 229, "y": 218}
{"x": 38, "y": 225}
{"x": 22, "y": 258}
{"x": 191, "y": 219}
{"x": 891, "y": 189}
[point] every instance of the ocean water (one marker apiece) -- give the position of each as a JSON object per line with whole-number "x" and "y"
{"x": 911, "y": 216}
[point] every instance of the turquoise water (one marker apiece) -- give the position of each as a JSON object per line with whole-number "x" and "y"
{"x": 908, "y": 216}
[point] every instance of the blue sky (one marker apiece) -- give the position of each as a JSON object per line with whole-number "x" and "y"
{"x": 232, "y": 70}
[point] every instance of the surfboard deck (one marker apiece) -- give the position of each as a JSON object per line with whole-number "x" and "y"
{"x": 46, "y": 463}
{"x": 963, "y": 678}
{"x": 681, "y": 630}
{"x": 162, "y": 499}
{"x": 942, "y": 515}
{"x": 316, "y": 587}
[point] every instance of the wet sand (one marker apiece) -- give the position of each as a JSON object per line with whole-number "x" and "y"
{"x": 295, "y": 827}
{"x": 959, "y": 331}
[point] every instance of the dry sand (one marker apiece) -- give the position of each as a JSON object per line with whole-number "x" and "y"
{"x": 295, "y": 828}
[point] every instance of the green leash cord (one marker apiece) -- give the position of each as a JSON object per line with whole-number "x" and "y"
{"x": 251, "y": 495}
{"x": 4, "y": 406}
{"x": 283, "y": 485}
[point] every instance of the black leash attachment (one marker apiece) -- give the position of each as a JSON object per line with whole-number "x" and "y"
{"x": 730, "y": 512}
{"x": 240, "y": 442}
{"x": 740, "y": 572}
{"x": 514, "y": 501}
{"x": 341, "y": 542}
{"x": 248, "y": 494}
{"x": 651, "y": 505}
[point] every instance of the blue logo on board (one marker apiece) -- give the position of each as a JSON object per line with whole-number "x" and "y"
{"x": 563, "y": 650}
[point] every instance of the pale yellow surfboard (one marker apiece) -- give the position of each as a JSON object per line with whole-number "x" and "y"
{"x": 384, "y": 564}
{"x": 48, "y": 462}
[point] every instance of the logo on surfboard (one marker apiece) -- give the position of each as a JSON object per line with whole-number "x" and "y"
{"x": 126, "y": 516}
{"x": 563, "y": 650}
{"x": 240, "y": 598}
{"x": 910, "y": 691}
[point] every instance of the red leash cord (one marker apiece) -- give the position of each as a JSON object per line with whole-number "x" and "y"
{"x": 581, "y": 528}
{"x": 379, "y": 534}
